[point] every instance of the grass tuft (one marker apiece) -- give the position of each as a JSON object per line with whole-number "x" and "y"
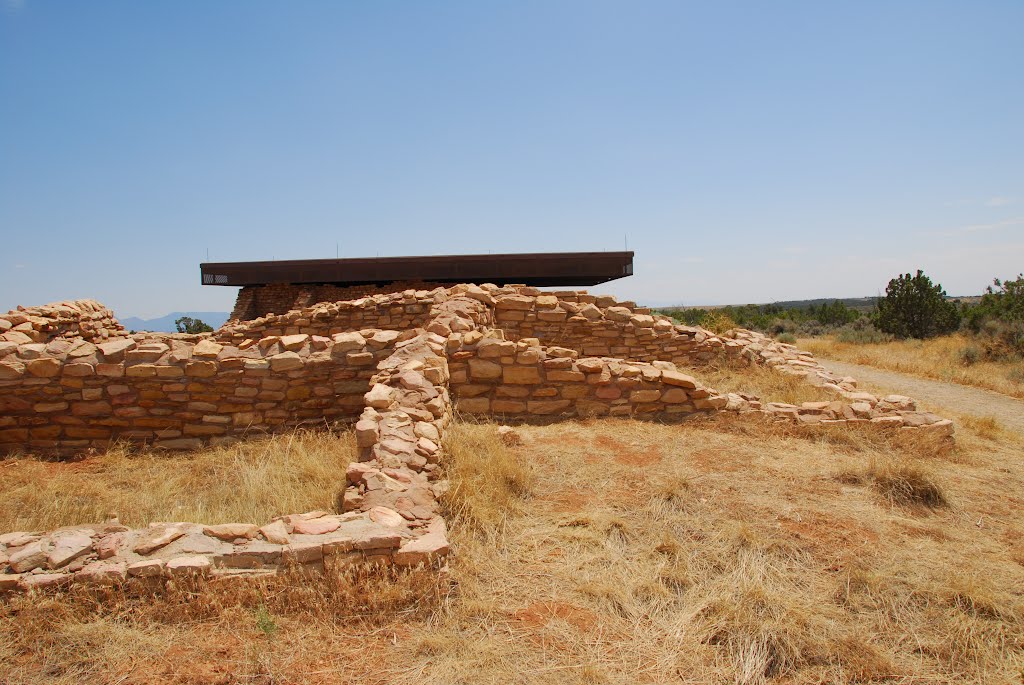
{"x": 489, "y": 479}
{"x": 900, "y": 482}
{"x": 768, "y": 384}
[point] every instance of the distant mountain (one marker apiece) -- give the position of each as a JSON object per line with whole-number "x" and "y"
{"x": 165, "y": 324}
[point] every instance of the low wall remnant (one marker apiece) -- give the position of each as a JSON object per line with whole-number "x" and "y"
{"x": 397, "y": 365}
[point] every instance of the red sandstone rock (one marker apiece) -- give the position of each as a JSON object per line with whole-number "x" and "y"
{"x": 231, "y": 531}
{"x": 67, "y": 547}
{"x": 275, "y": 532}
{"x": 317, "y": 526}
{"x": 157, "y": 539}
{"x": 30, "y": 556}
{"x": 103, "y": 573}
{"x": 190, "y": 566}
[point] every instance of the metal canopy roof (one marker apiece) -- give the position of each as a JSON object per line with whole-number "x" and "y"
{"x": 537, "y": 269}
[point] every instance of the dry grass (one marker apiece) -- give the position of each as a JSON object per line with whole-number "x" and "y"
{"x": 249, "y": 631}
{"x": 250, "y": 481}
{"x": 938, "y": 358}
{"x": 767, "y": 384}
{"x": 489, "y": 480}
{"x": 620, "y": 552}
{"x": 900, "y": 482}
{"x": 987, "y": 427}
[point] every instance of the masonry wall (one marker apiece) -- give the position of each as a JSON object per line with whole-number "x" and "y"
{"x": 521, "y": 379}
{"x": 599, "y": 326}
{"x": 255, "y": 301}
{"x": 67, "y": 397}
{"x": 86, "y": 319}
{"x": 389, "y": 497}
{"x": 402, "y": 311}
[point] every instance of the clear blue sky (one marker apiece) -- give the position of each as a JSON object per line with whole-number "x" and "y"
{"x": 751, "y": 151}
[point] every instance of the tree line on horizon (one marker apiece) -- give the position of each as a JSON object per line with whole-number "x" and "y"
{"x": 912, "y": 307}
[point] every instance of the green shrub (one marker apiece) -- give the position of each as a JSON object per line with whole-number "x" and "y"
{"x": 1002, "y": 301}
{"x": 787, "y": 338}
{"x": 187, "y": 324}
{"x": 998, "y": 319}
{"x": 690, "y": 317}
{"x": 772, "y": 319}
{"x": 718, "y": 321}
{"x": 861, "y": 332}
{"x": 1002, "y": 339}
{"x": 915, "y": 308}
{"x": 971, "y": 355}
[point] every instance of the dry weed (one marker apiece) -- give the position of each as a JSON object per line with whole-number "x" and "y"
{"x": 938, "y": 358}
{"x": 616, "y": 551}
{"x": 769, "y": 385}
{"x": 489, "y": 478}
{"x": 985, "y": 427}
{"x": 249, "y": 481}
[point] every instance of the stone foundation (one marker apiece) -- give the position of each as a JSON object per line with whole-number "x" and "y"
{"x": 402, "y": 363}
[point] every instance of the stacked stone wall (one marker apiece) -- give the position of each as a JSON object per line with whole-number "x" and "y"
{"x": 523, "y": 380}
{"x": 68, "y": 396}
{"x": 255, "y": 301}
{"x": 85, "y": 319}
{"x": 400, "y": 311}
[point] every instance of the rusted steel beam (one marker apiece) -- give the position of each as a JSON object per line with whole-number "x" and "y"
{"x": 538, "y": 269}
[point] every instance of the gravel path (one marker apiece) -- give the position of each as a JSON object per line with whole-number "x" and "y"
{"x": 1008, "y": 411}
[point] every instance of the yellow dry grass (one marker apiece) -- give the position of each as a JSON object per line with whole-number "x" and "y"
{"x": 768, "y": 385}
{"x": 938, "y": 358}
{"x": 619, "y": 551}
{"x": 249, "y": 481}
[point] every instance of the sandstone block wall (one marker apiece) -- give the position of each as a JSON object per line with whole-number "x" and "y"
{"x": 401, "y": 311}
{"x": 85, "y": 319}
{"x": 255, "y": 301}
{"x": 522, "y": 379}
{"x": 600, "y": 327}
{"x": 314, "y": 364}
{"x": 67, "y": 396}
{"x": 110, "y": 554}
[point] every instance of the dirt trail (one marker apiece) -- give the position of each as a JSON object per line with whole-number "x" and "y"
{"x": 1008, "y": 411}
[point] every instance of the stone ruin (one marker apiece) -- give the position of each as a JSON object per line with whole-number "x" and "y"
{"x": 398, "y": 365}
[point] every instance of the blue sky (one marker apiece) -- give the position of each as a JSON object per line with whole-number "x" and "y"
{"x": 748, "y": 151}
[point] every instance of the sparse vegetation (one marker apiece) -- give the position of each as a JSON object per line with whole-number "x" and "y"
{"x": 774, "y": 319}
{"x": 899, "y": 482}
{"x": 489, "y": 480}
{"x": 611, "y": 551}
{"x": 767, "y": 384}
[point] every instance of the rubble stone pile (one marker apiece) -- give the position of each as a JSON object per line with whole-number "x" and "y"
{"x": 85, "y": 319}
